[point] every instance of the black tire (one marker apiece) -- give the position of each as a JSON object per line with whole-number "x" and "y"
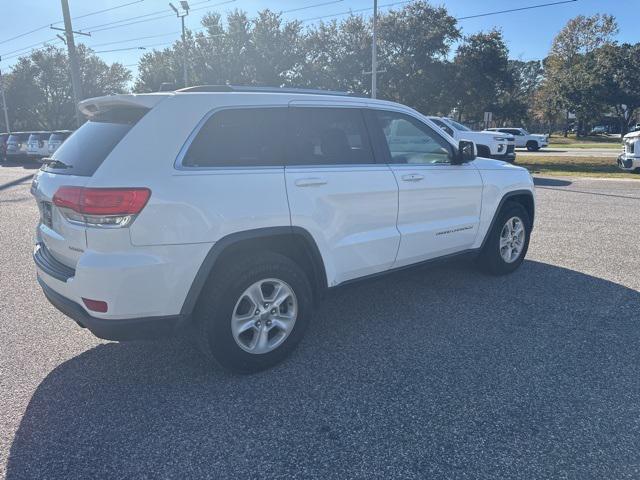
{"x": 490, "y": 260}
{"x": 218, "y": 300}
{"x": 533, "y": 146}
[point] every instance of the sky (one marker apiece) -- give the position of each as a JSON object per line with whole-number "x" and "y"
{"x": 528, "y": 34}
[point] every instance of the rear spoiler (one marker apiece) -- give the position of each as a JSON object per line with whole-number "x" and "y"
{"x": 93, "y": 106}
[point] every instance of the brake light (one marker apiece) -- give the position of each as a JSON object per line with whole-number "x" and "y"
{"x": 115, "y": 207}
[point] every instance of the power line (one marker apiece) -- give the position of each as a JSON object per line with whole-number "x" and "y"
{"x": 133, "y": 39}
{"x": 106, "y": 10}
{"x": 73, "y": 18}
{"x": 516, "y": 9}
{"x": 311, "y": 6}
{"x": 157, "y": 16}
{"x": 141, "y": 47}
{"x": 349, "y": 12}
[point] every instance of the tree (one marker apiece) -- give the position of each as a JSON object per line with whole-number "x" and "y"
{"x": 481, "y": 72}
{"x": 570, "y": 67}
{"x": 618, "y": 69}
{"x": 39, "y": 93}
{"x": 262, "y": 51}
{"x": 515, "y": 98}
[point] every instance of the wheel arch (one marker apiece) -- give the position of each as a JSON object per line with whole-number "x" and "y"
{"x": 293, "y": 242}
{"x": 523, "y": 197}
{"x": 483, "y": 150}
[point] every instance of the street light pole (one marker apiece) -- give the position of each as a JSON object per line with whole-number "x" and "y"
{"x": 185, "y": 8}
{"x": 374, "y": 59}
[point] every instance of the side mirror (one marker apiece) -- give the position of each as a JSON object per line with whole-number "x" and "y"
{"x": 466, "y": 152}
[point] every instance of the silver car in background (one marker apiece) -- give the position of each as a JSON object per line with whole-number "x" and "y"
{"x": 56, "y": 139}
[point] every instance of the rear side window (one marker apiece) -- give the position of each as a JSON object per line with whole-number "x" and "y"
{"x": 239, "y": 138}
{"x": 327, "y": 136}
{"x": 86, "y": 149}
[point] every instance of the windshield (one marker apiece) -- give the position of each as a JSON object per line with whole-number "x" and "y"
{"x": 457, "y": 126}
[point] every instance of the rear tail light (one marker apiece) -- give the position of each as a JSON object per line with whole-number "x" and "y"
{"x": 101, "y": 207}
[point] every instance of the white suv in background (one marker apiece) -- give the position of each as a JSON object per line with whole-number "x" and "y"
{"x": 490, "y": 145}
{"x": 530, "y": 141}
{"x": 629, "y": 160}
{"x": 233, "y": 210}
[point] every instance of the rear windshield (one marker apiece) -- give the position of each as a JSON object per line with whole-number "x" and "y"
{"x": 17, "y": 138}
{"x": 86, "y": 149}
{"x": 58, "y": 137}
{"x": 38, "y": 136}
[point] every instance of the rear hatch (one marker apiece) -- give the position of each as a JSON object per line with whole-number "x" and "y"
{"x": 72, "y": 165}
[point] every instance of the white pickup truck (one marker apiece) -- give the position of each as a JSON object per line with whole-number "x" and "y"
{"x": 500, "y": 146}
{"x": 530, "y": 141}
{"x": 630, "y": 158}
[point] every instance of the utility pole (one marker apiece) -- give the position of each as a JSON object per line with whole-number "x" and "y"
{"x": 76, "y": 82}
{"x": 185, "y": 8}
{"x": 4, "y": 103}
{"x": 374, "y": 53}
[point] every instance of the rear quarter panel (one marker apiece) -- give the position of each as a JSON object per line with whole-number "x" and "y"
{"x": 191, "y": 206}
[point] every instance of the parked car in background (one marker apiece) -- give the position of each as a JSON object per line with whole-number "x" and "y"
{"x": 237, "y": 219}
{"x": 3, "y": 145}
{"x": 17, "y": 145}
{"x": 524, "y": 139}
{"x": 56, "y": 139}
{"x": 599, "y": 130}
{"x": 37, "y": 145}
{"x": 500, "y": 146}
{"x": 629, "y": 160}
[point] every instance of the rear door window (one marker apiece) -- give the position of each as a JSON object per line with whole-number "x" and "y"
{"x": 327, "y": 136}
{"x": 86, "y": 149}
{"x": 244, "y": 137}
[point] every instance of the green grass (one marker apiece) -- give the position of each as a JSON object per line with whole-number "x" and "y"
{"x": 599, "y": 141}
{"x": 573, "y": 166}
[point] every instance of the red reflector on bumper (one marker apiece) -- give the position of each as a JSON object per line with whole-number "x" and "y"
{"x": 95, "y": 305}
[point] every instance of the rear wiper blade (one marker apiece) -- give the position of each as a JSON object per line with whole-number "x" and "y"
{"x": 53, "y": 163}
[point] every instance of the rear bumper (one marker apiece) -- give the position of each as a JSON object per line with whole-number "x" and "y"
{"x": 123, "y": 329}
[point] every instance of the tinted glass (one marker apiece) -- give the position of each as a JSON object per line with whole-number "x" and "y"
{"x": 58, "y": 137}
{"x": 459, "y": 126}
{"x": 411, "y": 141}
{"x": 86, "y": 149}
{"x": 21, "y": 137}
{"x": 327, "y": 136}
{"x": 239, "y": 138}
{"x": 443, "y": 126}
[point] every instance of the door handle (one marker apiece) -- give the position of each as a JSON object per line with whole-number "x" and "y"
{"x": 310, "y": 182}
{"x": 412, "y": 177}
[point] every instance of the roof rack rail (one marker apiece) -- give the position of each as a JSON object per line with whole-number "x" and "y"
{"x": 249, "y": 88}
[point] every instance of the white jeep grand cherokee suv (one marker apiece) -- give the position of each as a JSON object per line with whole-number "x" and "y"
{"x": 233, "y": 209}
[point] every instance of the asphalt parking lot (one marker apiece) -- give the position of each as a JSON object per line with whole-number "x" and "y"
{"x": 440, "y": 373}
